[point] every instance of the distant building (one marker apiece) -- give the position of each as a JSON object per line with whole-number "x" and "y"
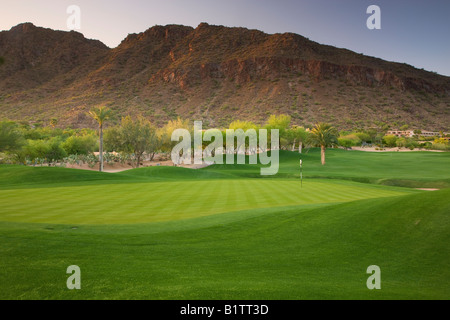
{"x": 401, "y": 133}
{"x": 430, "y": 134}
{"x": 410, "y": 133}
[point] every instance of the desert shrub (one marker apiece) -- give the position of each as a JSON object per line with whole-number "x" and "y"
{"x": 407, "y": 143}
{"x": 43, "y": 133}
{"x": 390, "y": 141}
{"x": 40, "y": 151}
{"x": 36, "y": 149}
{"x": 110, "y": 158}
{"x": 441, "y": 141}
{"x": 440, "y": 145}
{"x": 80, "y": 144}
{"x": 349, "y": 140}
{"x": 11, "y": 137}
{"x": 111, "y": 139}
{"x": 401, "y": 142}
{"x": 91, "y": 160}
{"x": 55, "y": 151}
{"x": 72, "y": 159}
{"x": 364, "y": 137}
{"x": 412, "y": 144}
{"x": 346, "y": 143}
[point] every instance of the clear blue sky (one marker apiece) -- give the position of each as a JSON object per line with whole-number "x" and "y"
{"x": 412, "y": 31}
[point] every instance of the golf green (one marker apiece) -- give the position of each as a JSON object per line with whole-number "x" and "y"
{"x": 164, "y": 201}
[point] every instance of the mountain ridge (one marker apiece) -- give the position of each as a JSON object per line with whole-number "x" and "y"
{"x": 213, "y": 73}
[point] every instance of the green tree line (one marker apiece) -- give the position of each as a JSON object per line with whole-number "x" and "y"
{"x": 136, "y": 138}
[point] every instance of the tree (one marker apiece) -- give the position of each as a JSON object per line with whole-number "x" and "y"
{"x": 364, "y": 137}
{"x": 390, "y": 140}
{"x": 80, "y": 144}
{"x": 11, "y": 138}
{"x": 111, "y": 139}
{"x": 41, "y": 150}
{"x": 100, "y": 114}
{"x": 239, "y": 138}
{"x": 35, "y": 149}
{"x": 137, "y": 137}
{"x": 165, "y": 133}
{"x": 55, "y": 150}
{"x": 348, "y": 139}
{"x": 345, "y": 142}
{"x": 297, "y": 134}
{"x": 323, "y": 135}
{"x": 280, "y": 122}
{"x": 375, "y": 136}
{"x": 440, "y": 141}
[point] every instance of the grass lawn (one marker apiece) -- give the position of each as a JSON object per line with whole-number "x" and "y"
{"x": 223, "y": 232}
{"x": 166, "y": 201}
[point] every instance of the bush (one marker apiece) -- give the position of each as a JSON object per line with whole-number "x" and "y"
{"x": 112, "y": 139}
{"x": 40, "y": 151}
{"x": 349, "y": 140}
{"x": 364, "y": 137}
{"x": 407, "y": 143}
{"x": 72, "y": 159}
{"x": 91, "y": 160}
{"x": 390, "y": 141}
{"x": 35, "y": 149}
{"x": 43, "y": 133}
{"x": 80, "y": 144}
{"x": 110, "y": 158}
{"x": 440, "y": 146}
{"x": 441, "y": 141}
{"x": 346, "y": 143}
{"x": 11, "y": 138}
{"x": 55, "y": 150}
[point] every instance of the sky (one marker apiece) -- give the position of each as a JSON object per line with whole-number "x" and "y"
{"x": 413, "y": 32}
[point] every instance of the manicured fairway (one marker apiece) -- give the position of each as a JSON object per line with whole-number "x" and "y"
{"x": 407, "y": 169}
{"x": 310, "y": 253}
{"x": 224, "y": 232}
{"x": 165, "y": 201}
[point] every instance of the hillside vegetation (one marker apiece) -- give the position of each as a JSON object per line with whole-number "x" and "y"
{"x": 211, "y": 73}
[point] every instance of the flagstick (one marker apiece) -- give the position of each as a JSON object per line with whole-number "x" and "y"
{"x": 301, "y": 174}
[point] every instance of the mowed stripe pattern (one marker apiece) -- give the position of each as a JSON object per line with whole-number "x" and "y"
{"x": 166, "y": 201}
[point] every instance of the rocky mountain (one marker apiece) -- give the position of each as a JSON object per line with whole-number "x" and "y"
{"x": 211, "y": 73}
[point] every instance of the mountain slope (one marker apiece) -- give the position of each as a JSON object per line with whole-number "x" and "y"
{"x": 214, "y": 74}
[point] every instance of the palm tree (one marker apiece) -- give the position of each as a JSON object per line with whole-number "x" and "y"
{"x": 100, "y": 114}
{"x": 324, "y": 135}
